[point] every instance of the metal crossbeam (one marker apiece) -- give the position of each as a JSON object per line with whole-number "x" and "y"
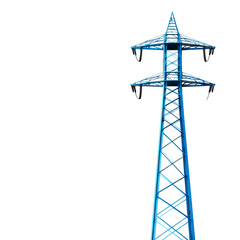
{"x": 174, "y": 230}
{"x": 172, "y": 184}
{"x": 172, "y": 141}
{"x": 171, "y": 164}
{"x": 169, "y": 208}
{"x": 171, "y": 228}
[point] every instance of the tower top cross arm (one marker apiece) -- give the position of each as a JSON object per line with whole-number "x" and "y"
{"x": 172, "y": 36}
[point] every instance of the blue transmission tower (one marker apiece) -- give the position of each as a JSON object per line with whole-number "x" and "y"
{"x": 173, "y": 213}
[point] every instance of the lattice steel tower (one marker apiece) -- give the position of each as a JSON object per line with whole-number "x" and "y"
{"x": 173, "y": 214}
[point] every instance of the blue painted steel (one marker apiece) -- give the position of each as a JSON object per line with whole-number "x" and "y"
{"x": 173, "y": 212}
{"x": 186, "y": 169}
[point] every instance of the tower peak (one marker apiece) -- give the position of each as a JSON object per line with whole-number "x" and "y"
{"x": 172, "y": 26}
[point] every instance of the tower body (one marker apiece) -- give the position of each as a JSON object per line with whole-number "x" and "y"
{"x": 173, "y": 211}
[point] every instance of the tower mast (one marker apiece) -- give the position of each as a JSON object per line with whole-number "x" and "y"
{"x": 173, "y": 212}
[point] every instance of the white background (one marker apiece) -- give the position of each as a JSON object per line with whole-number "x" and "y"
{"x": 78, "y": 151}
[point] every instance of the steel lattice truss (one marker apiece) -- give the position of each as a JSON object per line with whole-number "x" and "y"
{"x": 173, "y": 215}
